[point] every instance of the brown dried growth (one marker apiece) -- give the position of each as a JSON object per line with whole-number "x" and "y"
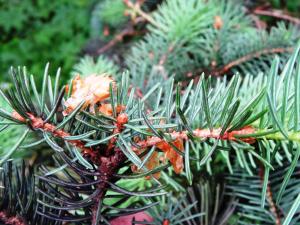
{"x": 91, "y": 89}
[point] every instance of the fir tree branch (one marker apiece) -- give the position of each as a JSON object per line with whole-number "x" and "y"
{"x": 107, "y": 164}
{"x": 11, "y": 220}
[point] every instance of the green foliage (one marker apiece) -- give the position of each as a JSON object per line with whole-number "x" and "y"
{"x": 112, "y": 12}
{"x": 32, "y": 31}
{"x": 290, "y": 5}
{"x": 255, "y": 41}
{"x": 107, "y": 15}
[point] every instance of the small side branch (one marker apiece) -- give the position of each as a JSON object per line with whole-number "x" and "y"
{"x": 248, "y": 57}
{"x": 277, "y": 14}
{"x": 128, "y": 31}
{"x": 136, "y": 8}
{"x": 202, "y": 134}
{"x": 39, "y": 124}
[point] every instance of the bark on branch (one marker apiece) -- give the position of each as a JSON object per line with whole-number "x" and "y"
{"x": 277, "y": 14}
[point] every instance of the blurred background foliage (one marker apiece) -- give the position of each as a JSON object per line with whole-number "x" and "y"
{"x": 34, "y": 32}
{"x": 292, "y": 6}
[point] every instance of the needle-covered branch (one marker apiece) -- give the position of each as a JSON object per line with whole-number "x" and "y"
{"x": 119, "y": 133}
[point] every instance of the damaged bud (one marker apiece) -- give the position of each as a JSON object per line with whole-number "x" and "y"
{"x": 122, "y": 119}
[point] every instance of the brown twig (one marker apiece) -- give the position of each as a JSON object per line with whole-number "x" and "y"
{"x": 202, "y": 134}
{"x": 270, "y": 200}
{"x": 259, "y": 24}
{"x": 137, "y": 9}
{"x": 277, "y": 14}
{"x": 107, "y": 168}
{"x": 248, "y": 57}
{"x": 11, "y": 220}
{"x": 128, "y": 31}
{"x": 38, "y": 124}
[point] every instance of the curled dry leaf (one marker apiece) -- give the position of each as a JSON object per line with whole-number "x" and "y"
{"x": 173, "y": 156}
{"x": 107, "y": 109}
{"x": 169, "y": 154}
{"x": 151, "y": 164}
{"x": 90, "y": 90}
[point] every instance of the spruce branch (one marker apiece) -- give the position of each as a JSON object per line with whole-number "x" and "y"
{"x": 202, "y": 45}
{"x": 102, "y": 65}
{"x": 106, "y": 133}
{"x": 121, "y": 137}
